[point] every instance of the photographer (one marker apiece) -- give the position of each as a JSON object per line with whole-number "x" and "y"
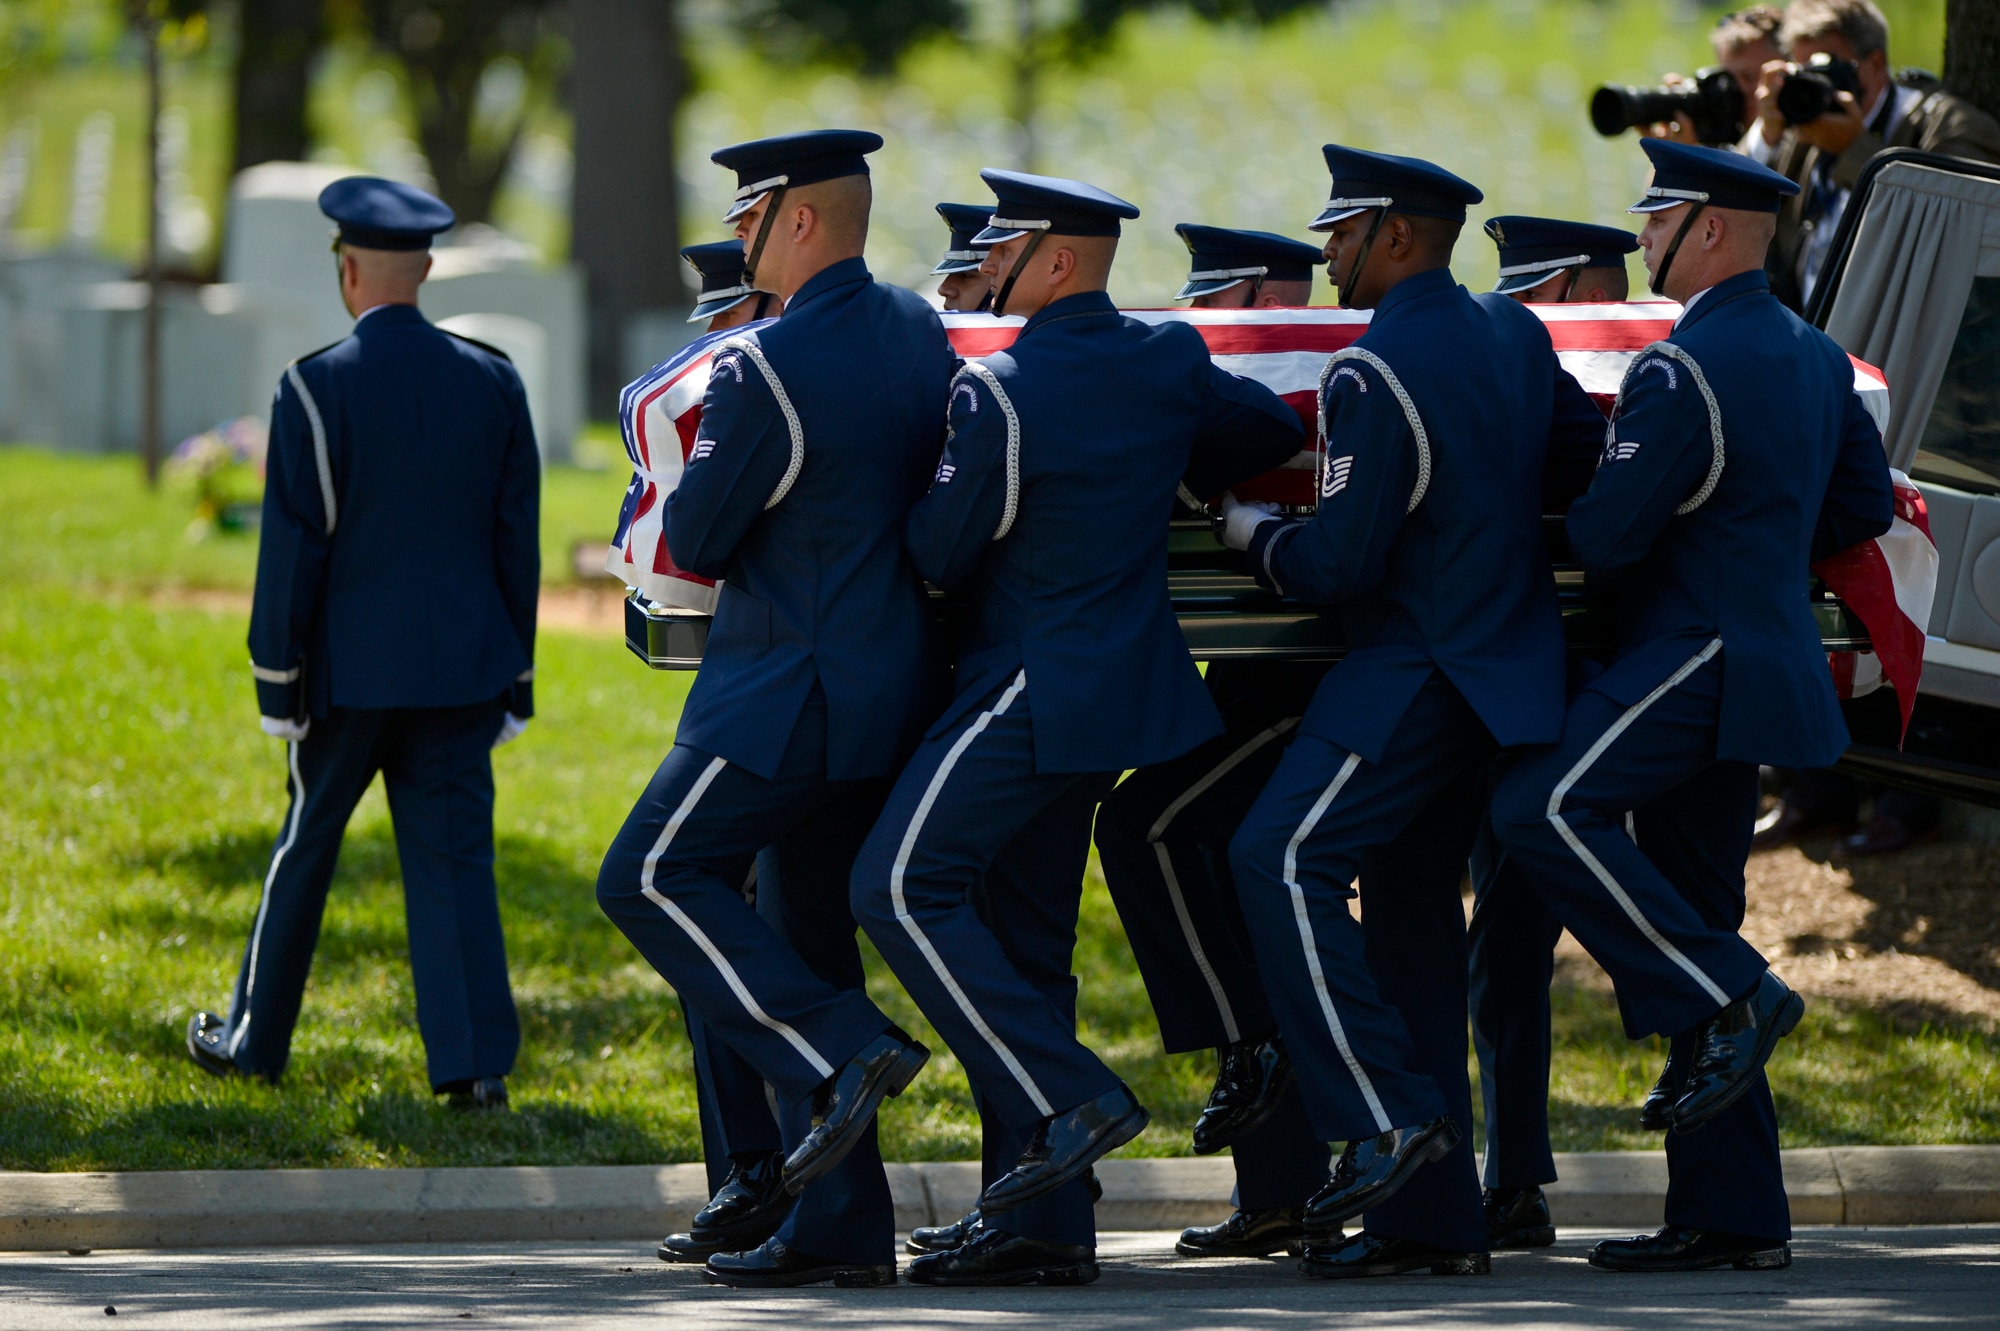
{"x": 1744, "y": 42}
{"x": 1869, "y": 110}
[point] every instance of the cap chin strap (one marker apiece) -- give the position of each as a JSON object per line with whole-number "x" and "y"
{"x": 1569, "y": 285}
{"x": 763, "y": 231}
{"x": 1367, "y": 245}
{"x": 1014, "y": 274}
{"x": 1658, "y": 286}
{"x": 763, "y": 303}
{"x": 985, "y": 305}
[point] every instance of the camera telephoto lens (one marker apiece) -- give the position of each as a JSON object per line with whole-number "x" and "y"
{"x": 1808, "y": 90}
{"x": 1712, "y": 104}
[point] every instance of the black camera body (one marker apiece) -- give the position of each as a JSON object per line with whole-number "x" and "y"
{"x": 1712, "y": 104}
{"x": 1808, "y": 90}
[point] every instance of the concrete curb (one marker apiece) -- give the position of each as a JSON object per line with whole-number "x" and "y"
{"x": 1850, "y": 1185}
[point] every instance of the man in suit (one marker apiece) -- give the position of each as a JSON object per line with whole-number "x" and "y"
{"x": 1825, "y": 155}
{"x": 1699, "y": 547}
{"x": 1066, "y": 451}
{"x": 817, "y": 434}
{"x": 393, "y": 631}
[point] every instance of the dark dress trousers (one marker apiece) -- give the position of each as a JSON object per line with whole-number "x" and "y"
{"x": 1429, "y": 542}
{"x": 1065, "y": 454}
{"x": 397, "y": 569}
{"x": 817, "y": 434}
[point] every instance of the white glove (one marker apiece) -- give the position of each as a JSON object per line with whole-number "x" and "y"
{"x": 1241, "y": 520}
{"x": 292, "y": 731}
{"x": 511, "y": 728}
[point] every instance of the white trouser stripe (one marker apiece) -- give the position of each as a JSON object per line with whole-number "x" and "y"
{"x": 264, "y": 902}
{"x": 916, "y": 933}
{"x": 1299, "y": 913}
{"x": 702, "y": 940}
{"x": 1595, "y": 865}
{"x": 1159, "y": 829}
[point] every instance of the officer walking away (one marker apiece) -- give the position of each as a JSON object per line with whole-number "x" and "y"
{"x": 1436, "y": 425}
{"x": 1736, "y": 444}
{"x": 818, "y": 433}
{"x": 1065, "y": 454}
{"x": 965, "y": 286}
{"x": 1512, "y": 935}
{"x": 1163, "y": 840}
{"x": 393, "y": 631}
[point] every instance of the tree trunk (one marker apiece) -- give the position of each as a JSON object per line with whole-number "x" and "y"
{"x": 627, "y": 78}
{"x": 1972, "y": 52}
{"x": 278, "y": 39}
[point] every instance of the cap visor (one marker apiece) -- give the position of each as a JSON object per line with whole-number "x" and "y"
{"x": 1656, "y": 205}
{"x": 1329, "y": 216}
{"x": 708, "y": 309}
{"x": 993, "y": 235}
{"x": 1190, "y": 290}
{"x": 956, "y": 266}
{"x": 742, "y": 206}
{"x": 1507, "y": 286}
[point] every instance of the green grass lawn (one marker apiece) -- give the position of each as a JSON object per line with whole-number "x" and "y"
{"x": 139, "y": 806}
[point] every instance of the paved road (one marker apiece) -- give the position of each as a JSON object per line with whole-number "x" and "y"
{"x": 1841, "y": 1278}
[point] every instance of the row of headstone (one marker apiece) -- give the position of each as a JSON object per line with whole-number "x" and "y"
{"x": 71, "y": 327}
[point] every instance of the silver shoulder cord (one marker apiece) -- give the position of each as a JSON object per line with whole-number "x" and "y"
{"x": 992, "y": 381}
{"x": 747, "y": 344}
{"x": 320, "y": 456}
{"x": 1716, "y": 455}
{"x": 1423, "y": 438}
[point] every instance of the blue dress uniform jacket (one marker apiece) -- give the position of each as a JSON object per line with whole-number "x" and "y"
{"x": 1461, "y": 580}
{"x": 1064, "y": 456}
{"x": 370, "y": 592}
{"x": 1713, "y": 495}
{"x": 793, "y": 495}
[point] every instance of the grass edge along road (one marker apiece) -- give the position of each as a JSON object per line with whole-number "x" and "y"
{"x": 140, "y": 807}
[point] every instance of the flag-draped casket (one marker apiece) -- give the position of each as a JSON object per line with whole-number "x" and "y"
{"x": 1887, "y": 583}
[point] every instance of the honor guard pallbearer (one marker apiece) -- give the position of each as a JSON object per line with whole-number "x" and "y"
{"x": 1163, "y": 840}
{"x": 740, "y": 1140}
{"x": 817, "y": 434}
{"x": 1738, "y": 452}
{"x": 965, "y": 286}
{"x": 393, "y": 631}
{"x": 1436, "y": 427}
{"x": 1048, "y": 509}
{"x": 1512, "y": 936}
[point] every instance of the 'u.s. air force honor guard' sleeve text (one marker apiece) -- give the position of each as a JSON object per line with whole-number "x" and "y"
{"x": 1658, "y": 457}
{"x": 968, "y": 504}
{"x": 291, "y": 556}
{"x": 1860, "y": 501}
{"x": 739, "y": 457}
{"x": 1365, "y": 486}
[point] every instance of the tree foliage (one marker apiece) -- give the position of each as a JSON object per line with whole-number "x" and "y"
{"x": 867, "y": 35}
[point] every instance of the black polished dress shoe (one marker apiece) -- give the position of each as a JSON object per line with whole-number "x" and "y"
{"x": 1366, "y": 1254}
{"x": 1251, "y": 1077}
{"x": 1657, "y": 1113}
{"x": 943, "y": 1238}
{"x": 774, "y": 1266}
{"x": 1372, "y": 1168}
{"x": 1066, "y": 1144}
{"x": 1518, "y": 1218}
{"x": 926, "y": 1239}
{"x": 1676, "y": 1249}
{"x": 1247, "y": 1234}
{"x": 995, "y": 1257}
{"x": 747, "y": 1209}
{"x": 846, "y": 1101}
{"x": 1785, "y": 823}
{"x": 207, "y": 1045}
{"x": 1885, "y": 834}
{"x": 1732, "y": 1046}
{"x": 476, "y": 1095}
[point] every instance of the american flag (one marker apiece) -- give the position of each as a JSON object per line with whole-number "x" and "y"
{"x": 659, "y": 414}
{"x": 1888, "y": 583}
